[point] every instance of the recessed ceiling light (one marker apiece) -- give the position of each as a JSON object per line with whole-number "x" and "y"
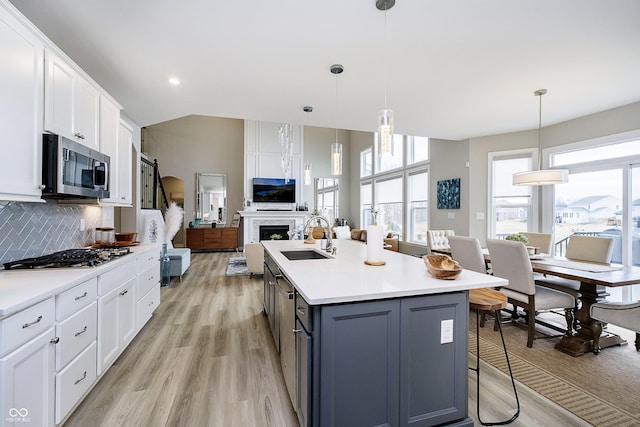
{"x": 174, "y": 81}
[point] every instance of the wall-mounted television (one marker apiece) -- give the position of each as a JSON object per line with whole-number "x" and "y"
{"x": 274, "y": 190}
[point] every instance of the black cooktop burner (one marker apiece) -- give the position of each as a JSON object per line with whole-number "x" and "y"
{"x": 69, "y": 258}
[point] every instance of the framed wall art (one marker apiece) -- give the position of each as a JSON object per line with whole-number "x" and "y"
{"x": 449, "y": 194}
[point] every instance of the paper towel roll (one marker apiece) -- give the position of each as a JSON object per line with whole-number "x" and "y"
{"x": 374, "y": 243}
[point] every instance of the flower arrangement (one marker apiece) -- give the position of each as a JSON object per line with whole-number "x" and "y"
{"x": 374, "y": 214}
{"x": 517, "y": 237}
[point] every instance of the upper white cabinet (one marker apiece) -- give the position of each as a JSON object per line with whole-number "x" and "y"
{"x": 72, "y": 103}
{"x": 125, "y": 165}
{"x": 21, "y": 110}
{"x": 109, "y": 130}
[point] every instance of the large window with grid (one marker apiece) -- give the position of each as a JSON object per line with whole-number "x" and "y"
{"x": 397, "y": 187}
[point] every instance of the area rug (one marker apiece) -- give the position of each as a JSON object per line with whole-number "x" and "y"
{"x": 237, "y": 267}
{"x": 603, "y": 402}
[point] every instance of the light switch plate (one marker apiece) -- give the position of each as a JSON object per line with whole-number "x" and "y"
{"x": 446, "y": 331}
{"x": 480, "y": 216}
{"x": 451, "y": 215}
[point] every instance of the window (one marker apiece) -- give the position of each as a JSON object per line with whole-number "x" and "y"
{"x": 327, "y": 197}
{"x": 366, "y": 163}
{"x": 417, "y": 206}
{"x": 511, "y": 205}
{"x": 388, "y": 199}
{"x": 602, "y": 198}
{"x": 417, "y": 149}
{"x": 365, "y": 204}
{"x": 398, "y": 192}
{"x": 384, "y": 164}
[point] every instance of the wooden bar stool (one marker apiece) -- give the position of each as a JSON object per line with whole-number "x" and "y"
{"x": 482, "y": 300}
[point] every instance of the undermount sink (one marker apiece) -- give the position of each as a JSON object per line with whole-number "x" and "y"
{"x": 304, "y": 254}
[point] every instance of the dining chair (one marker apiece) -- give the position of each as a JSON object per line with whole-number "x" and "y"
{"x": 544, "y": 241}
{"x": 623, "y": 314}
{"x": 438, "y": 240}
{"x": 468, "y": 252}
{"x": 585, "y": 249}
{"x": 254, "y": 252}
{"x": 510, "y": 260}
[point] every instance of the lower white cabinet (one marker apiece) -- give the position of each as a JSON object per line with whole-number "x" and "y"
{"x": 116, "y": 323}
{"x": 27, "y": 383}
{"x": 74, "y": 381}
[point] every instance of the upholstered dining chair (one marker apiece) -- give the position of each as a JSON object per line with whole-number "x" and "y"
{"x": 544, "y": 241}
{"x": 510, "y": 260}
{"x": 623, "y": 314}
{"x": 468, "y": 252}
{"x": 254, "y": 252}
{"x": 580, "y": 248}
{"x": 438, "y": 240}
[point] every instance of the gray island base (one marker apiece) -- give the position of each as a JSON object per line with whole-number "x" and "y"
{"x": 371, "y": 345}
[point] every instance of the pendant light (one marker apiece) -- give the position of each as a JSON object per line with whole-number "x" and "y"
{"x": 336, "y": 147}
{"x": 385, "y": 116}
{"x": 285, "y": 135}
{"x": 307, "y": 166}
{"x": 540, "y": 176}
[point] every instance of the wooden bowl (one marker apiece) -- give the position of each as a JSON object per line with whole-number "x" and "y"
{"x": 126, "y": 237}
{"x": 442, "y": 266}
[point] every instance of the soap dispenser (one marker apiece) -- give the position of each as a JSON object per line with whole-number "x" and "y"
{"x": 323, "y": 242}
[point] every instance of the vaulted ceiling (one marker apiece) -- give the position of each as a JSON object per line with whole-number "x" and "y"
{"x": 455, "y": 69}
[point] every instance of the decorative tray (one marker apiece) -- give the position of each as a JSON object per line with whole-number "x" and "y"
{"x": 442, "y": 266}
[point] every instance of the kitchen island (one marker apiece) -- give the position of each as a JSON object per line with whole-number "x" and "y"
{"x": 371, "y": 345}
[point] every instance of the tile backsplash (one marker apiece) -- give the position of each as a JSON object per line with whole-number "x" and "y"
{"x": 34, "y": 229}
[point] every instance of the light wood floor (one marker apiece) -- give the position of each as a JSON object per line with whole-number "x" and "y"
{"x": 207, "y": 358}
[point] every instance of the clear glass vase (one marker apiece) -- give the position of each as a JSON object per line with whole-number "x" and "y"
{"x": 165, "y": 266}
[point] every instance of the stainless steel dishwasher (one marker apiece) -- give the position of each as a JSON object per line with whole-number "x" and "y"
{"x": 286, "y": 311}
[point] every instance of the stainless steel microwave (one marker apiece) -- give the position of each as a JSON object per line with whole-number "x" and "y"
{"x": 70, "y": 169}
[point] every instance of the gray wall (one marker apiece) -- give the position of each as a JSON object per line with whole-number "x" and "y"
{"x": 194, "y": 144}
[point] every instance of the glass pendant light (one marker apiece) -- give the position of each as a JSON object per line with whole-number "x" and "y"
{"x": 540, "y": 176}
{"x": 385, "y": 116}
{"x": 307, "y": 174}
{"x": 336, "y": 147}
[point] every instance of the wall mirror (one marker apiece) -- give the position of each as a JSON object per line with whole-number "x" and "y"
{"x": 326, "y": 197}
{"x": 211, "y": 198}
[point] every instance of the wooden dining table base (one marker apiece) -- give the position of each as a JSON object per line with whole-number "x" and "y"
{"x": 582, "y": 341}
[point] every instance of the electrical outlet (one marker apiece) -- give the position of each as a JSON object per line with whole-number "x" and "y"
{"x": 446, "y": 331}
{"x": 82, "y": 225}
{"x": 451, "y": 215}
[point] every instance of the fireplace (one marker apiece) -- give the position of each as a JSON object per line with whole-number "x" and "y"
{"x": 266, "y": 231}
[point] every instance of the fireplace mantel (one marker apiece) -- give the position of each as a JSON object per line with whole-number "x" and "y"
{"x": 252, "y": 220}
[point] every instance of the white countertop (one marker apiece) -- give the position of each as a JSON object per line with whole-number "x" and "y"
{"x": 20, "y": 289}
{"x": 346, "y": 278}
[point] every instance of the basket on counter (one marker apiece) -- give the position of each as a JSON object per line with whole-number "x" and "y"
{"x": 442, "y": 266}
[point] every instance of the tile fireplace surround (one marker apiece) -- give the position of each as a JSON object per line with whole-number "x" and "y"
{"x": 252, "y": 220}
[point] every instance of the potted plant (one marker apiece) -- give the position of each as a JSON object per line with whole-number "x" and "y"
{"x": 517, "y": 237}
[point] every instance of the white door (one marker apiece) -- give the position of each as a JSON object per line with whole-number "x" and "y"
{"x": 108, "y": 326}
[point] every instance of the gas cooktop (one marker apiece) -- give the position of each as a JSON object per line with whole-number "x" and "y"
{"x": 69, "y": 258}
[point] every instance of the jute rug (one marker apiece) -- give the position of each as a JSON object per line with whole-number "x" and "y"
{"x": 237, "y": 267}
{"x": 603, "y": 390}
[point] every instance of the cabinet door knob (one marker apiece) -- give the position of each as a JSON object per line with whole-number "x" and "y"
{"x": 55, "y": 340}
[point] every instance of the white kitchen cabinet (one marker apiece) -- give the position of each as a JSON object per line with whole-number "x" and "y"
{"x": 116, "y": 322}
{"x": 125, "y": 165}
{"x": 74, "y": 381}
{"x": 21, "y": 110}
{"x": 27, "y": 383}
{"x": 72, "y": 103}
{"x": 109, "y": 132}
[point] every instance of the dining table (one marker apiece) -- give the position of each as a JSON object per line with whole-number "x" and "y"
{"x": 594, "y": 280}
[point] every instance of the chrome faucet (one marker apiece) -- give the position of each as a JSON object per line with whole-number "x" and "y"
{"x": 320, "y": 217}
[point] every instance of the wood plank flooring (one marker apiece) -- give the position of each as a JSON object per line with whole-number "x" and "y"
{"x": 207, "y": 358}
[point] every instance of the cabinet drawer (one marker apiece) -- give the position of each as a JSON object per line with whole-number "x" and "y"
{"x": 19, "y": 328}
{"x": 148, "y": 279}
{"x": 303, "y": 312}
{"x": 75, "y": 334}
{"x": 116, "y": 277}
{"x": 76, "y": 298}
{"x": 74, "y": 380}
{"x": 146, "y": 306}
{"x": 148, "y": 259}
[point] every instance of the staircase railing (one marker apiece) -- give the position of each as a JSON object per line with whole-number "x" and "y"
{"x": 151, "y": 188}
